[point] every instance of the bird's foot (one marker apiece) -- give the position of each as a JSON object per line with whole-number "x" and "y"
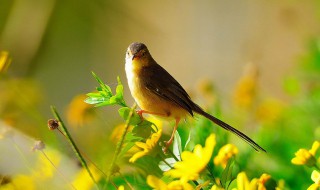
{"x": 166, "y": 146}
{"x": 140, "y": 112}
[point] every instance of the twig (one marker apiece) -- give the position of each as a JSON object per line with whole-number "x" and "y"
{"x": 120, "y": 143}
{"x": 73, "y": 145}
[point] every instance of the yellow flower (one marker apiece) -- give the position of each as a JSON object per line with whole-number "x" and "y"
{"x": 45, "y": 170}
{"x": 83, "y": 180}
{"x": 315, "y": 147}
{"x": 121, "y": 187}
{"x": 5, "y": 61}
{"x": 315, "y": 176}
{"x": 147, "y": 147}
{"x": 193, "y": 162}
{"x": 244, "y": 184}
{"x": 117, "y": 132}
{"x": 305, "y": 157}
{"x": 245, "y": 90}
{"x": 158, "y": 184}
{"x": 256, "y": 184}
{"x": 215, "y": 187}
{"x": 79, "y": 112}
{"x": 262, "y": 181}
{"x": 225, "y": 153}
{"x": 24, "y": 182}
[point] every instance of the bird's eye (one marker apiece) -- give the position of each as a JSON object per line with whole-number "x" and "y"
{"x": 143, "y": 53}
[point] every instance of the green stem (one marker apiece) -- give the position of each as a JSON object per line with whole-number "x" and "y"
{"x": 120, "y": 143}
{"x": 127, "y": 182}
{"x": 73, "y": 145}
{"x": 317, "y": 167}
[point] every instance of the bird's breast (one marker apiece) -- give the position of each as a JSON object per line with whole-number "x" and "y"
{"x": 147, "y": 100}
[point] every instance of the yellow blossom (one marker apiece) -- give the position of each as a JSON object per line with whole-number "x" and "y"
{"x": 215, "y": 187}
{"x": 121, "y": 187}
{"x": 225, "y": 153}
{"x": 24, "y": 182}
{"x": 5, "y": 61}
{"x": 79, "y": 112}
{"x": 315, "y": 147}
{"x": 83, "y": 181}
{"x": 117, "y": 132}
{"x": 262, "y": 181}
{"x": 245, "y": 90}
{"x": 147, "y": 147}
{"x": 193, "y": 162}
{"x": 315, "y": 176}
{"x": 45, "y": 170}
{"x": 306, "y": 157}
{"x": 158, "y": 184}
{"x": 244, "y": 184}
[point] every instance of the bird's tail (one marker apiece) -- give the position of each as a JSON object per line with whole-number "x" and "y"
{"x": 227, "y": 127}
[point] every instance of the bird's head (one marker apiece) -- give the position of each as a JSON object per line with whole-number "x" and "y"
{"x": 138, "y": 52}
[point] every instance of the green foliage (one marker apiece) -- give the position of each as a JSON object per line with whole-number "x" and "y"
{"x": 104, "y": 96}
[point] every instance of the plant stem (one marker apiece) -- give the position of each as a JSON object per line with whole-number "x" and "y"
{"x": 73, "y": 145}
{"x": 127, "y": 182}
{"x": 120, "y": 143}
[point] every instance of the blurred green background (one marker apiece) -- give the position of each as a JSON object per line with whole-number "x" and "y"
{"x": 55, "y": 44}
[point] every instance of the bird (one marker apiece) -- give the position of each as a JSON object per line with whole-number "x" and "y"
{"x": 157, "y": 93}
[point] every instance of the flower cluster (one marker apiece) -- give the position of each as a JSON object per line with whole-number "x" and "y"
{"x": 193, "y": 163}
{"x": 147, "y": 147}
{"x": 308, "y": 158}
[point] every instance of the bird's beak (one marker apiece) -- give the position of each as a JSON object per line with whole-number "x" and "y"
{"x": 135, "y": 56}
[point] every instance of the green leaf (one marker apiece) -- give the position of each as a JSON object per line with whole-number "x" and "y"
{"x": 104, "y": 96}
{"x": 103, "y": 87}
{"x": 124, "y": 113}
{"x": 227, "y": 173}
{"x": 167, "y": 164}
{"x": 143, "y": 129}
{"x": 129, "y": 141}
{"x": 188, "y": 140}
{"x": 177, "y": 148}
{"x": 126, "y": 148}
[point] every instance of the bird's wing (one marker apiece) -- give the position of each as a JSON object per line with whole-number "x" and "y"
{"x": 160, "y": 82}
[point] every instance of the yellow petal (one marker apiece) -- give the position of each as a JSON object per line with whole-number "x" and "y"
{"x": 242, "y": 181}
{"x": 156, "y": 183}
{"x": 193, "y": 162}
{"x": 315, "y": 176}
{"x": 142, "y": 145}
{"x": 136, "y": 156}
{"x": 5, "y": 61}
{"x": 313, "y": 187}
{"x": 315, "y": 147}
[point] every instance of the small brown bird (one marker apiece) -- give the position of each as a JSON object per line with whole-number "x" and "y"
{"x": 157, "y": 92}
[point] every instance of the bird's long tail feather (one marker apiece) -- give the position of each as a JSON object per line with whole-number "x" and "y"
{"x": 229, "y": 128}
